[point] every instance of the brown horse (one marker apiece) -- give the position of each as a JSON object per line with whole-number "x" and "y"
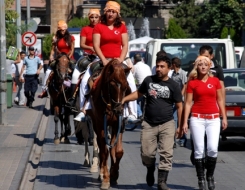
{"x": 59, "y": 93}
{"x": 107, "y": 110}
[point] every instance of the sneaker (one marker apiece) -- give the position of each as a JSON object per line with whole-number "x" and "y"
{"x": 80, "y": 117}
{"x": 131, "y": 119}
{"x": 16, "y": 102}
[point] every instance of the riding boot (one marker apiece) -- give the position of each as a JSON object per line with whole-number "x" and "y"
{"x": 162, "y": 179}
{"x": 199, "y": 163}
{"x": 150, "y": 175}
{"x": 211, "y": 163}
{"x": 45, "y": 93}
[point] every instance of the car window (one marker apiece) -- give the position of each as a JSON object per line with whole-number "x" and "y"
{"x": 77, "y": 53}
{"x": 149, "y": 52}
{"x": 188, "y": 52}
{"x": 234, "y": 81}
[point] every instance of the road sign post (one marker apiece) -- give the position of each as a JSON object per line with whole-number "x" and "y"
{"x": 29, "y": 38}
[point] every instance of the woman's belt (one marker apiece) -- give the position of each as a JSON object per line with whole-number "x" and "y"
{"x": 205, "y": 116}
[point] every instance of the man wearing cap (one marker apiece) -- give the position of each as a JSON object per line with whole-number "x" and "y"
{"x": 33, "y": 67}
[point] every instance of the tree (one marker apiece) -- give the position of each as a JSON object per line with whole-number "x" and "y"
{"x": 76, "y": 22}
{"x": 220, "y": 13}
{"x": 11, "y": 29}
{"x": 132, "y": 8}
{"x": 174, "y": 30}
{"x": 47, "y": 45}
{"x": 188, "y": 16}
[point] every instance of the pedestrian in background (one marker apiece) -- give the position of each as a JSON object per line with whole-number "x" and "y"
{"x": 158, "y": 126}
{"x": 140, "y": 72}
{"x": 179, "y": 76}
{"x": 204, "y": 101}
{"x": 33, "y": 67}
{"x": 20, "y": 96}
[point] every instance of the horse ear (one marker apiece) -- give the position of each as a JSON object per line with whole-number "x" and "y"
{"x": 127, "y": 70}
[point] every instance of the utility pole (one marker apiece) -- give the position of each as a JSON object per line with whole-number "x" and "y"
{"x": 18, "y": 24}
{"x": 28, "y": 15}
{"x": 3, "y": 82}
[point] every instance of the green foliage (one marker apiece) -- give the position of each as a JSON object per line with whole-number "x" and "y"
{"x": 188, "y": 17}
{"x": 233, "y": 35}
{"x": 47, "y": 45}
{"x": 132, "y": 8}
{"x": 174, "y": 30}
{"x": 220, "y": 13}
{"x": 78, "y": 22}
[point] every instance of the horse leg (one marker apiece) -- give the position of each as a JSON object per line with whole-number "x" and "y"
{"x": 62, "y": 134}
{"x": 104, "y": 153}
{"x": 116, "y": 154}
{"x": 85, "y": 134}
{"x": 56, "y": 120}
{"x": 95, "y": 163}
{"x": 67, "y": 128}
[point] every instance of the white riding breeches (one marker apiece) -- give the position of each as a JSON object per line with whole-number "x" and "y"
{"x": 84, "y": 90}
{"x": 199, "y": 127}
{"x": 75, "y": 75}
{"x": 48, "y": 71}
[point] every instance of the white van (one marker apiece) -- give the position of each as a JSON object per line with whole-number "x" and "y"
{"x": 77, "y": 50}
{"x": 188, "y": 49}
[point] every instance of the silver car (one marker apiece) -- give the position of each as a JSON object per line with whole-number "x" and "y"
{"x": 235, "y": 102}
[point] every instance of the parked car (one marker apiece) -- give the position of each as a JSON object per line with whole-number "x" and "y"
{"x": 235, "y": 102}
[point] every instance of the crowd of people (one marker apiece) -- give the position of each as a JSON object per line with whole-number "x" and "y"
{"x": 167, "y": 100}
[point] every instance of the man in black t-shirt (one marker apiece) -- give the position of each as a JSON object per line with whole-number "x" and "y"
{"x": 158, "y": 127}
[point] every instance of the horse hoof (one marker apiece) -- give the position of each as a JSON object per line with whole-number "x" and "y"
{"x": 56, "y": 141}
{"x": 67, "y": 141}
{"x": 86, "y": 163}
{"x": 62, "y": 139}
{"x": 105, "y": 185}
{"x": 94, "y": 169}
{"x": 113, "y": 182}
{"x": 100, "y": 178}
{"x": 95, "y": 166}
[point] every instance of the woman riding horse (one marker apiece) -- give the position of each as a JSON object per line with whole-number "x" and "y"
{"x": 110, "y": 34}
{"x": 62, "y": 42}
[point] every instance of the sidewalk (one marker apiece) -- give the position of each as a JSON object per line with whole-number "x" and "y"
{"x": 16, "y": 140}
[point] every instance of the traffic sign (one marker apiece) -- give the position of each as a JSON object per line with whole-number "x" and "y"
{"x": 29, "y": 38}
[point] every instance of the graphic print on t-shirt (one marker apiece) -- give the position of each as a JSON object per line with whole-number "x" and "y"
{"x": 210, "y": 86}
{"x": 116, "y": 32}
{"x": 158, "y": 91}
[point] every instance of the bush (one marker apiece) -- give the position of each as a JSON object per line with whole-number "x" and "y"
{"x": 174, "y": 30}
{"x": 78, "y": 22}
{"x": 47, "y": 45}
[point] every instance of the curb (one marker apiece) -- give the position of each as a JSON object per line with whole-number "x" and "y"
{"x": 29, "y": 175}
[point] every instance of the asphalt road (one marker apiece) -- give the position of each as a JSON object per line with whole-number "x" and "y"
{"x": 61, "y": 166}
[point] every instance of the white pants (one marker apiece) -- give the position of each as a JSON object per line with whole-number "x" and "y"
{"x": 199, "y": 127}
{"x": 75, "y": 76}
{"x": 84, "y": 90}
{"x": 48, "y": 71}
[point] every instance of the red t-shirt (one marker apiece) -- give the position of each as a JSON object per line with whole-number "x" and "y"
{"x": 110, "y": 40}
{"x": 87, "y": 32}
{"x": 63, "y": 46}
{"x": 204, "y": 95}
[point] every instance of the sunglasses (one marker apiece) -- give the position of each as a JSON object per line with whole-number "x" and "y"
{"x": 111, "y": 11}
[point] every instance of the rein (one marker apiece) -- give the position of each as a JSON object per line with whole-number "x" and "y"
{"x": 109, "y": 108}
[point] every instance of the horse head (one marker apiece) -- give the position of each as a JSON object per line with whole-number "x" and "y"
{"x": 115, "y": 85}
{"x": 62, "y": 65}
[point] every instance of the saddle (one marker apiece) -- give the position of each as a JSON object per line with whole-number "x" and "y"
{"x": 95, "y": 69}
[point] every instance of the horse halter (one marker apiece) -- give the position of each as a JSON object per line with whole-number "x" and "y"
{"x": 60, "y": 68}
{"x": 117, "y": 108}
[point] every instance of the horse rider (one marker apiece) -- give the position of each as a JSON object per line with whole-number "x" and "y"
{"x": 86, "y": 44}
{"x": 110, "y": 34}
{"x": 63, "y": 42}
